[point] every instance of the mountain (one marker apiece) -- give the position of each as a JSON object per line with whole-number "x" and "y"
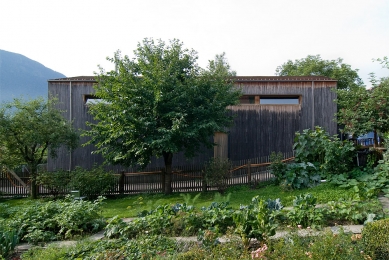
{"x": 23, "y": 77}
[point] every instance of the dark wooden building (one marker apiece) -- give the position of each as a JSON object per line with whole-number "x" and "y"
{"x": 271, "y": 110}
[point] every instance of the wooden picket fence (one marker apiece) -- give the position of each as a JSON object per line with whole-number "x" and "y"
{"x": 184, "y": 179}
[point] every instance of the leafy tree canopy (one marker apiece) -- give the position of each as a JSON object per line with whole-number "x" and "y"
{"x": 160, "y": 103}
{"x": 28, "y": 130}
{"x": 365, "y": 110}
{"x": 315, "y": 66}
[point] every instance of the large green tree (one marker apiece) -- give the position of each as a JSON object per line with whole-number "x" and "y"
{"x": 365, "y": 110}
{"x": 314, "y": 65}
{"x": 30, "y": 131}
{"x": 160, "y": 103}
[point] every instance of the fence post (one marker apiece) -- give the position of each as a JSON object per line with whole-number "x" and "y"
{"x": 163, "y": 179}
{"x": 121, "y": 182}
{"x": 204, "y": 182}
{"x": 249, "y": 171}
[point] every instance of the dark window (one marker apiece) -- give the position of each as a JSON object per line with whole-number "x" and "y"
{"x": 279, "y": 100}
{"x": 269, "y": 100}
{"x": 91, "y": 99}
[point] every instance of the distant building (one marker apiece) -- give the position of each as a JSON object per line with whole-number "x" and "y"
{"x": 271, "y": 110}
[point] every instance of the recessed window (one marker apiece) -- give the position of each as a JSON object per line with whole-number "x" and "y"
{"x": 91, "y": 99}
{"x": 269, "y": 100}
{"x": 249, "y": 99}
{"x": 279, "y": 101}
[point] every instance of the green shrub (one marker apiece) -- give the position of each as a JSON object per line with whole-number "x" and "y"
{"x": 256, "y": 220}
{"x": 145, "y": 247}
{"x": 8, "y": 241}
{"x": 318, "y": 147}
{"x": 338, "y": 157}
{"x": 340, "y": 246}
{"x": 299, "y": 176}
{"x": 92, "y": 182}
{"x": 56, "y": 182}
{"x": 356, "y": 212}
{"x": 217, "y": 172}
{"x": 305, "y": 213}
{"x": 47, "y": 221}
{"x": 376, "y": 239}
{"x": 277, "y": 167}
{"x": 310, "y": 145}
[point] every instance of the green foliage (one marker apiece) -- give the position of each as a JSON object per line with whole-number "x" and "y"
{"x": 255, "y": 221}
{"x": 365, "y": 110}
{"x": 304, "y": 212}
{"x": 277, "y": 167}
{"x": 146, "y": 247}
{"x": 376, "y": 240}
{"x": 94, "y": 182}
{"x": 188, "y": 198}
{"x": 91, "y": 183}
{"x": 29, "y": 130}
{"x": 208, "y": 238}
{"x": 56, "y": 182}
{"x": 218, "y": 215}
{"x": 318, "y": 147}
{"x": 356, "y": 212}
{"x": 8, "y": 241}
{"x": 160, "y": 103}
{"x": 217, "y": 173}
{"x": 46, "y": 221}
{"x": 309, "y": 146}
{"x": 326, "y": 246}
{"x": 316, "y": 66}
{"x": 338, "y": 157}
{"x": 366, "y": 184}
{"x": 299, "y": 176}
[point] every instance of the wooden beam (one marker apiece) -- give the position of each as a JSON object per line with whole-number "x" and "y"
{"x": 17, "y": 178}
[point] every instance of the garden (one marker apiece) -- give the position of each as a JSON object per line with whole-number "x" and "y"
{"x": 289, "y": 217}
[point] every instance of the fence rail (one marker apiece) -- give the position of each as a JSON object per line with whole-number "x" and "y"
{"x": 184, "y": 179}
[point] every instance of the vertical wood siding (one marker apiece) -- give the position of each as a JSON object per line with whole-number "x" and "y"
{"x": 257, "y": 131}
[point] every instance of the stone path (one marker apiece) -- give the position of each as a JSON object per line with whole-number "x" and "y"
{"x": 356, "y": 229}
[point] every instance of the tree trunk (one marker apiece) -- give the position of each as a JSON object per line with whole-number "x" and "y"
{"x": 34, "y": 187}
{"x": 375, "y": 138}
{"x": 168, "y": 172}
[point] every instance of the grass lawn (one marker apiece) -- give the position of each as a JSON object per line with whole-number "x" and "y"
{"x": 129, "y": 206}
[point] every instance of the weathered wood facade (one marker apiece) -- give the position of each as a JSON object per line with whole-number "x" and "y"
{"x": 260, "y": 126}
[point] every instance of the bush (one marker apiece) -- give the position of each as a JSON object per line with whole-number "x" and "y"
{"x": 318, "y": 147}
{"x": 56, "y": 182}
{"x": 299, "y": 176}
{"x": 92, "y": 183}
{"x": 376, "y": 239}
{"x": 277, "y": 167}
{"x": 310, "y": 145}
{"x": 217, "y": 172}
{"x": 8, "y": 241}
{"x": 145, "y": 247}
{"x": 47, "y": 221}
{"x": 326, "y": 246}
{"x": 305, "y": 213}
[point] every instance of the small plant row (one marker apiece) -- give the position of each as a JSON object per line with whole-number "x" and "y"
{"x": 149, "y": 236}
{"x": 258, "y": 220}
{"x": 51, "y": 220}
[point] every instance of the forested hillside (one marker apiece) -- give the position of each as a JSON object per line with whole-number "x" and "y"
{"x": 23, "y": 77}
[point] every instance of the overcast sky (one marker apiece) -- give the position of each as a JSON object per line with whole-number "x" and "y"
{"x": 74, "y": 36}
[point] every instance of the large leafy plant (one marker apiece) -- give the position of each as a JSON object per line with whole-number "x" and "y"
{"x": 304, "y": 212}
{"x": 300, "y": 175}
{"x": 318, "y": 147}
{"x": 255, "y": 221}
